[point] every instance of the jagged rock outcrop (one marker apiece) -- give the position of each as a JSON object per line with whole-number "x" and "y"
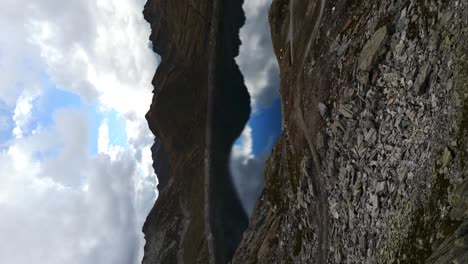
{"x": 372, "y": 164}
{"x": 199, "y": 108}
{"x": 160, "y": 164}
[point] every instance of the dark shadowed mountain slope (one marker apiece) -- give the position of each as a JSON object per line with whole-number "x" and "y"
{"x": 199, "y": 108}
{"x": 371, "y": 166}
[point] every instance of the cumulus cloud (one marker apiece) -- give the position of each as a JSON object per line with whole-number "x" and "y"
{"x": 58, "y": 202}
{"x": 256, "y": 58}
{"x": 245, "y": 148}
{"x": 247, "y": 170}
{"x": 258, "y": 64}
{"x": 22, "y": 112}
{"x": 19, "y": 63}
{"x": 107, "y": 59}
{"x": 93, "y": 221}
{"x": 68, "y": 207}
{"x": 70, "y": 146}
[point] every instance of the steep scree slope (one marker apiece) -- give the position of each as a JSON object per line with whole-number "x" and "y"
{"x": 372, "y": 164}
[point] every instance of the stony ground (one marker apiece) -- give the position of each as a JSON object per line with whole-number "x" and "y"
{"x": 384, "y": 99}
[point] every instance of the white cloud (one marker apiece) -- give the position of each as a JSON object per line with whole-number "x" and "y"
{"x": 247, "y": 170}
{"x": 256, "y": 58}
{"x": 71, "y": 137}
{"x": 245, "y": 148}
{"x": 103, "y": 139}
{"x": 260, "y": 69}
{"x": 22, "y": 112}
{"x": 107, "y": 61}
{"x": 97, "y": 219}
{"x": 56, "y": 200}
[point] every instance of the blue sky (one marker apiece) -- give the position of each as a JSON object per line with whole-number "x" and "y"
{"x": 251, "y": 150}
{"x": 258, "y": 64}
{"x": 54, "y": 98}
{"x": 6, "y": 131}
{"x": 265, "y": 123}
{"x": 266, "y": 126}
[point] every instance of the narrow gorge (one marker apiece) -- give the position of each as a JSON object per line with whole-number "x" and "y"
{"x": 371, "y": 165}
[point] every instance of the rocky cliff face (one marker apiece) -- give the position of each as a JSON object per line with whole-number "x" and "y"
{"x": 199, "y": 108}
{"x": 160, "y": 163}
{"x": 372, "y": 164}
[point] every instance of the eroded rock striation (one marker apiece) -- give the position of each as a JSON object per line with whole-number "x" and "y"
{"x": 200, "y": 106}
{"x": 371, "y": 166}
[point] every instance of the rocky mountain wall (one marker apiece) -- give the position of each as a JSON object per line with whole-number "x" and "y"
{"x": 200, "y": 106}
{"x": 371, "y": 165}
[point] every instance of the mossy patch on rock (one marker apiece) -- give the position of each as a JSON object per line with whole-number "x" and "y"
{"x": 429, "y": 225}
